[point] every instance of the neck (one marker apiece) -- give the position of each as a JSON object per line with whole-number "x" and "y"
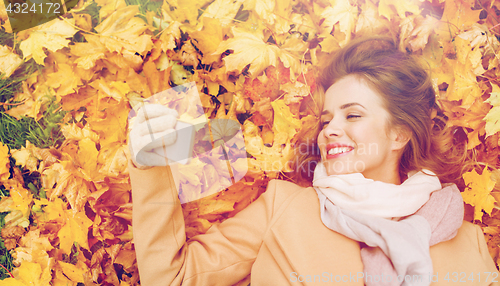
{"x": 392, "y": 177}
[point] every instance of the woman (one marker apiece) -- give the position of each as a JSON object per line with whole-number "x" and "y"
{"x": 377, "y": 214}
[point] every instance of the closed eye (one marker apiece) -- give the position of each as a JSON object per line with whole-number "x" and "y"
{"x": 324, "y": 123}
{"x": 353, "y": 116}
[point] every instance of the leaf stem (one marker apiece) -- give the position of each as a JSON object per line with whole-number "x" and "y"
{"x": 7, "y": 270}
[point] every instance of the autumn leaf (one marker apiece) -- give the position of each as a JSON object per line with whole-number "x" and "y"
{"x": 385, "y": 8}
{"x": 493, "y": 117}
{"x": 71, "y": 271}
{"x": 9, "y": 61}
{"x": 4, "y": 162}
{"x": 478, "y": 192}
{"x": 248, "y": 49}
{"x": 122, "y": 31}
{"x": 341, "y": 12}
{"x": 51, "y": 35}
{"x": 209, "y": 38}
{"x": 29, "y": 274}
{"x": 76, "y": 225}
{"x": 65, "y": 81}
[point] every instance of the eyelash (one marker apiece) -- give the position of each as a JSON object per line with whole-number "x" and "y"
{"x": 324, "y": 123}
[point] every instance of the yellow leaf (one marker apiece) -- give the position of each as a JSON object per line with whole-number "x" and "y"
{"x": 184, "y": 10}
{"x": 11, "y": 281}
{"x": 284, "y": 120}
{"x": 384, "y": 8}
{"x": 74, "y": 273}
{"x": 343, "y": 13}
{"x": 51, "y": 35}
{"x": 21, "y": 201}
{"x": 112, "y": 127}
{"x": 113, "y": 160}
{"x": 73, "y": 187}
{"x": 368, "y": 20}
{"x": 64, "y": 80}
{"x": 108, "y": 7}
{"x": 123, "y": 31}
{"x": 223, "y": 11}
{"x": 29, "y": 274}
{"x": 478, "y": 192}
{"x": 248, "y": 48}
{"x": 4, "y": 162}
{"x": 493, "y": 117}
{"x": 88, "y": 53}
{"x": 75, "y": 132}
{"x": 263, "y": 8}
{"x": 465, "y": 87}
{"x": 87, "y": 158}
{"x": 52, "y": 210}
{"x": 9, "y": 61}
{"x": 420, "y": 35}
{"x": 208, "y": 39}
{"x": 75, "y": 229}
{"x": 457, "y": 16}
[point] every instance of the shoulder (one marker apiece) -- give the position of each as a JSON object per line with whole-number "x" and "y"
{"x": 466, "y": 252}
{"x": 285, "y": 194}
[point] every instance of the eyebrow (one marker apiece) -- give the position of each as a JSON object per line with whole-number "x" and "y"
{"x": 344, "y": 106}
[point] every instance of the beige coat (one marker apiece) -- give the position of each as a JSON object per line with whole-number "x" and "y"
{"x": 280, "y": 239}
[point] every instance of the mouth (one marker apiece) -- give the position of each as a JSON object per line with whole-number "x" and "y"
{"x": 336, "y": 151}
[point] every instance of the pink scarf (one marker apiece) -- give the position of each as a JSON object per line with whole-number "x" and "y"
{"x": 395, "y": 248}
{"x": 444, "y": 212}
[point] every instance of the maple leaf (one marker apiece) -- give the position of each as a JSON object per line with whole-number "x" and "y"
{"x": 184, "y": 10}
{"x": 29, "y": 274}
{"x": 64, "y": 80}
{"x": 51, "y": 35}
{"x": 209, "y": 38}
{"x": 341, "y": 12}
{"x": 123, "y": 31}
{"x": 420, "y": 35}
{"x": 21, "y": 200}
{"x": 457, "y": 17}
{"x": 9, "y": 61}
{"x": 384, "y": 8}
{"x": 465, "y": 87}
{"x": 222, "y": 12}
{"x": 75, "y": 229}
{"x": 284, "y": 120}
{"x": 478, "y": 192}
{"x": 73, "y": 272}
{"x": 368, "y": 20}
{"x": 4, "y": 162}
{"x": 248, "y": 48}
{"x": 88, "y": 53}
{"x": 493, "y": 117}
{"x": 109, "y": 7}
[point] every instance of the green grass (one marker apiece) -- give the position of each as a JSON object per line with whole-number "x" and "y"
{"x": 5, "y": 257}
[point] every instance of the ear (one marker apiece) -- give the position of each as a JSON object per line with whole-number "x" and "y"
{"x": 400, "y": 137}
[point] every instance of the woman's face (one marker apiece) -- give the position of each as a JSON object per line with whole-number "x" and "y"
{"x": 355, "y": 137}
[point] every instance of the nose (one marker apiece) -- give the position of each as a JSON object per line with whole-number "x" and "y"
{"x": 333, "y": 130}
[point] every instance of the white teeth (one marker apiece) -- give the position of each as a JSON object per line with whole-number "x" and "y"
{"x": 338, "y": 150}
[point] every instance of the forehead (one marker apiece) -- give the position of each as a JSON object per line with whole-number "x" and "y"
{"x": 351, "y": 89}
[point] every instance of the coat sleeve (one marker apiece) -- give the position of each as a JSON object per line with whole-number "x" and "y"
{"x": 488, "y": 261}
{"x": 224, "y": 255}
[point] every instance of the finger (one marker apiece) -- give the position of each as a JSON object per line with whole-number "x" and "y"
{"x": 165, "y": 138}
{"x": 158, "y": 124}
{"x": 151, "y": 159}
{"x": 150, "y": 111}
